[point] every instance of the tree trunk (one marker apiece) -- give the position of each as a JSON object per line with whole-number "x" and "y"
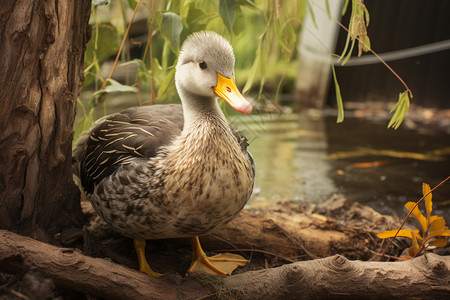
{"x": 41, "y": 57}
{"x": 425, "y": 277}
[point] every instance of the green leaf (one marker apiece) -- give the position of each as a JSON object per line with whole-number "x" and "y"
{"x": 282, "y": 39}
{"x": 418, "y": 215}
{"x": 100, "y": 48}
{"x": 347, "y": 43}
{"x": 247, "y": 3}
{"x": 401, "y": 109}
{"x": 195, "y": 16}
{"x": 133, "y": 3}
{"x": 366, "y": 15}
{"x": 366, "y": 44}
{"x": 171, "y": 27}
{"x": 114, "y": 86}
{"x": 349, "y": 54}
{"x": 313, "y": 17}
{"x": 254, "y": 70}
{"x": 216, "y": 24}
{"x": 339, "y": 102}
{"x": 301, "y": 10}
{"x": 227, "y": 11}
{"x": 344, "y": 7}
{"x": 397, "y": 116}
{"x": 85, "y": 123}
{"x": 167, "y": 82}
{"x": 396, "y": 105}
{"x": 327, "y": 5}
{"x": 239, "y": 22}
{"x": 428, "y": 203}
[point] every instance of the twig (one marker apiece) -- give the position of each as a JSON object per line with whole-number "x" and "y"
{"x": 18, "y": 294}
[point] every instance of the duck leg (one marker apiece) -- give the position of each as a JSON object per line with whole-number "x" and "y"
{"x": 139, "y": 246}
{"x": 220, "y": 264}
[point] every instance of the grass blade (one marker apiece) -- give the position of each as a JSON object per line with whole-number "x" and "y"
{"x": 340, "y": 104}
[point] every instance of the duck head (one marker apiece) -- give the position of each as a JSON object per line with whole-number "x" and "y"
{"x": 205, "y": 69}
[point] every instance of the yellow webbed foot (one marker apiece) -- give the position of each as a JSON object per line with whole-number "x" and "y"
{"x": 220, "y": 264}
{"x": 139, "y": 246}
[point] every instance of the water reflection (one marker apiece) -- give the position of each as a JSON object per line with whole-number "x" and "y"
{"x": 308, "y": 158}
{"x": 290, "y": 153}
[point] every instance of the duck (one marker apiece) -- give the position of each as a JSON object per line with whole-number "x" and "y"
{"x": 174, "y": 171}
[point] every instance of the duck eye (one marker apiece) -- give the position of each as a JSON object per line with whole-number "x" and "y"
{"x": 202, "y": 65}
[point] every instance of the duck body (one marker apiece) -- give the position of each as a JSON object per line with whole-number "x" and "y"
{"x": 170, "y": 171}
{"x": 195, "y": 181}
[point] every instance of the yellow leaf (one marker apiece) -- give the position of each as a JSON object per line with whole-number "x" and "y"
{"x": 437, "y": 224}
{"x": 432, "y": 218}
{"x": 428, "y": 203}
{"x": 438, "y": 243}
{"x": 418, "y": 215}
{"x": 415, "y": 247}
{"x": 391, "y": 233}
{"x": 443, "y": 232}
{"x": 416, "y": 234}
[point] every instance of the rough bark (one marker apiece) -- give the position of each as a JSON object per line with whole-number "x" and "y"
{"x": 333, "y": 277}
{"x": 41, "y": 57}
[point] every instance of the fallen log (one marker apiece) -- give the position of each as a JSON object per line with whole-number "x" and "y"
{"x": 335, "y": 277}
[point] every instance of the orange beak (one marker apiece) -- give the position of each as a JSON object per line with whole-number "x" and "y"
{"x": 227, "y": 90}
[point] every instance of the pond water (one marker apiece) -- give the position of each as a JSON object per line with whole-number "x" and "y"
{"x": 308, "y": 158}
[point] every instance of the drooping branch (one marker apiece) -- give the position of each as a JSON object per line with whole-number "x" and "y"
{"x": 332, "y": 277}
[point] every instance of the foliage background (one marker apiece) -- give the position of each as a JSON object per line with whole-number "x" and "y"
{"x": 263, "y": 33}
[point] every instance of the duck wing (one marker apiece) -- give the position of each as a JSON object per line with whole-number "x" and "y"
{"x": 118, "y": 139}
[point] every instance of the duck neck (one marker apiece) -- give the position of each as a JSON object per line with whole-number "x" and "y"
{"x": 199, "y": 108}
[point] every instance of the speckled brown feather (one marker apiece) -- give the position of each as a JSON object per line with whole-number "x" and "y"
{"x": 132, "y": 133}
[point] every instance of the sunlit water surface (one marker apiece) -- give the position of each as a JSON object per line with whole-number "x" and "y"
{"x": 308, "y": 158}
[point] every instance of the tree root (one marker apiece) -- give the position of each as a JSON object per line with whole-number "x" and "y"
{"x": 427, "y": 276}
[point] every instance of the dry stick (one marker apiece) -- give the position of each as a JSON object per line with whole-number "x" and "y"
{"x": 149, "y": 45}
{"x": 403, "y": 223}
{"x": 118, "y": 54}
{"x": 370, "y": 49}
